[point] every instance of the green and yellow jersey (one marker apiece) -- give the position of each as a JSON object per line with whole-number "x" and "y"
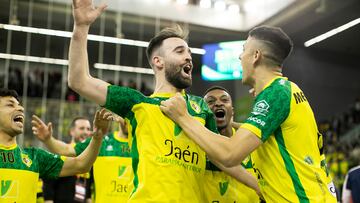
{"x": 289, "y": 162}
{"x": 222, "y": 188}
{"x": 20, "y": 170}
{"x": 168, "y": 166}
{"x": 112, "y": 170}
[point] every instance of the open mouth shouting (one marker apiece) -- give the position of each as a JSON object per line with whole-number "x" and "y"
{"x": 220, "y": 114}
{"x": 186, "y": 70}
{"x": 18, "y": 119}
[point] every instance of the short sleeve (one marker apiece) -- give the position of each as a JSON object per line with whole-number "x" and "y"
{"x": 50, "y": 164}
{"x": 120, "y": 100}
{"x": 81, "y": 146}
{"x": 271, "y": 108}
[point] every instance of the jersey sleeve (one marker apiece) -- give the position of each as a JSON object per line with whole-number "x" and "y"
{"x": 81, "y": 146}
{"x": 120, "y": 100}
{"x": 50, "y": 164}
{"x": 271, "y": 108}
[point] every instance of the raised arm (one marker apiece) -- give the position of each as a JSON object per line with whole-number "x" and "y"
{"x": 44, "y": 133}
{"x": 79, "y": 77}
{"x": 228, "y": 151}
{"x": 83, "y": 162}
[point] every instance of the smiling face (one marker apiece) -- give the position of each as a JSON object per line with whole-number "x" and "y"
{"x": 219, "y": 101}
{"x": 177, "y": 62}
{"x": 11, "y": 116}
{"x": 81, "y": 130}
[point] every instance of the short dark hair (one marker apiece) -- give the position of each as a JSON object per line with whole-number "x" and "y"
{"x": 9, "y": 93}
{"x": 165, "y": 33}
{"x": 216, "y": 88}
{"x": 72, "y": 124}
{"x": 277, "y": 41}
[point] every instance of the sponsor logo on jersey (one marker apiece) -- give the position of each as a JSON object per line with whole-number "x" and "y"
{"x": 257, "y": 120}
{"x": 109, "y": 148}
{"x": 181, "y": 153}
{"x": 26, "y": 160}
{"x": 282, "y": 82}
{"x": 9, "y": 189}
{"x": 195, "y": 106}
{"x": 261, "y": 108}
{"x": 223, "y": 186}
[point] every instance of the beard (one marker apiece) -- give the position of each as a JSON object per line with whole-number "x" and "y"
{"x": 173, "y": 76}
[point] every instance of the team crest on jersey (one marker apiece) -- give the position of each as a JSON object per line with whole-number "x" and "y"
{"x": 26, "y": 160}
{"x": 195, "y": 106}
{"x": 261, "y": 108}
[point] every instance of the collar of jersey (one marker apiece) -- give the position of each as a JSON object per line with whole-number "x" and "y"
{"x": 166, "y": 94}
{"x": 118, "y": 138}
{"x": 233, "y": 130}
{"x": 11, "y": 147}
{"x": 272, "y": 80}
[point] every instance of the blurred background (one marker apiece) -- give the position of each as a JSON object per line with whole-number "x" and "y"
{"x": 35, "y": 35}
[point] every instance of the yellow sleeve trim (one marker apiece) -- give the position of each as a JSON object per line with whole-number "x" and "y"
{"x": 63, "y": 158}
{"x": 252, "y": 128}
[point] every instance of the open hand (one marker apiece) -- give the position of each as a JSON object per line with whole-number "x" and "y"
{"x": 102, "y": 123}
{"x": 85, "y": 13}
{"x": 42, "y": 131}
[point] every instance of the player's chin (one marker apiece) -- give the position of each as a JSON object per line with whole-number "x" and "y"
{"x": 16, "y": 131}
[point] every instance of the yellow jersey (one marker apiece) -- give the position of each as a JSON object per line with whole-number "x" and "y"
{"x": 112, "y": 170}
{"x": 168, "y": 166}
{"x": 289, "y": 162}
{"x": 20, "y": 170}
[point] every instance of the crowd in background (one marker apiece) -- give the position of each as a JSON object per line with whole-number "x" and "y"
{"x": 339, "y": 144}
{"x": 36, "y": 81}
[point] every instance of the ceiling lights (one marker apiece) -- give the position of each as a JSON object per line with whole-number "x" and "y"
{"x": 331, "y": 32}
{"x": 99, "y": 38}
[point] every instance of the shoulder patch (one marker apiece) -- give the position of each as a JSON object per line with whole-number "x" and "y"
{"x": 261, "y": 108}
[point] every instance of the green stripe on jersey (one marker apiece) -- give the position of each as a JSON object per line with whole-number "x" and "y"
{"x": 134, "y": 151}
{"x": 290, "y": 167}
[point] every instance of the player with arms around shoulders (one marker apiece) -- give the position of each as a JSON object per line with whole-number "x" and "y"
{"x": 288, "y": 158}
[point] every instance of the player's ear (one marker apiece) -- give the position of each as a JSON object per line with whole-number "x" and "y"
{"x": 158, "y": 62}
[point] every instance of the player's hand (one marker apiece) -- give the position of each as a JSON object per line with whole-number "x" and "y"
{"x": 85, "y": 12}
{"x": 252, "y": 92}
{"x": 101, "y": 123}
{"x": 175, "y": 108}
{"x": 42, "y": 131}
